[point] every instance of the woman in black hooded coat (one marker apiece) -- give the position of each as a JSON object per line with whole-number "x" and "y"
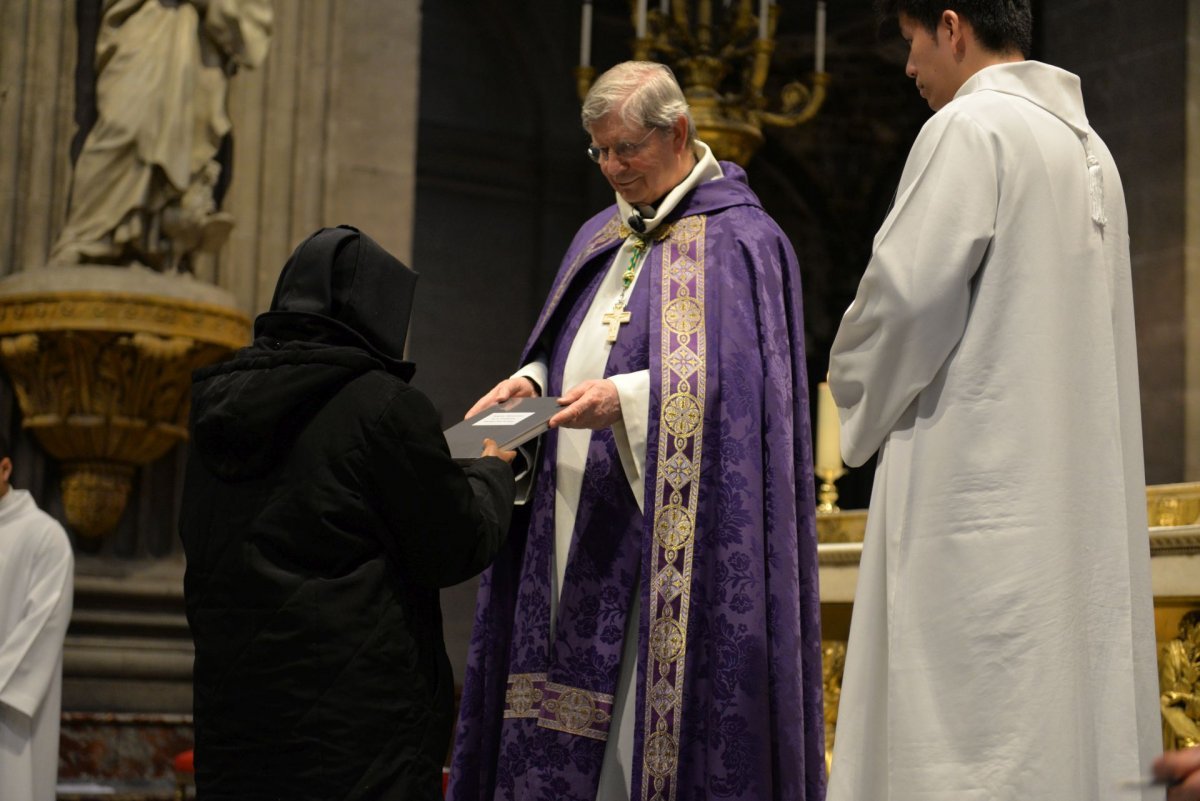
{"x": 321, "y": 513}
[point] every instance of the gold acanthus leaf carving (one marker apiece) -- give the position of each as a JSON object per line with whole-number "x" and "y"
{"x": 103, "y": 375}
{"x": 103, "y": 380}
{"x": 20, "y": 346}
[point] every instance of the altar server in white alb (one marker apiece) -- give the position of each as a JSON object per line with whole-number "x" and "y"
{"x": 37, "y": 573}
{"x": 1002, "y": 644}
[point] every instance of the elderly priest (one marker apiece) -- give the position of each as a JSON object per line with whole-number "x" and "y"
{"x": 652, "y": 627}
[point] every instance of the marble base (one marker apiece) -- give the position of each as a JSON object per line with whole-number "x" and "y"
{"x": 132, "y": 754}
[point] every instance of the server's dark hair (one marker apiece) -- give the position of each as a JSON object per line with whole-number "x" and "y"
{"x": 1000, "y": 25}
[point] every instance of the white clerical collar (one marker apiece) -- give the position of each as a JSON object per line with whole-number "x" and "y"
{"x": 707, "y": 169}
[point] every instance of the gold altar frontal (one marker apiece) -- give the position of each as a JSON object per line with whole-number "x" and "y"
{"x": 1173, "y": 511}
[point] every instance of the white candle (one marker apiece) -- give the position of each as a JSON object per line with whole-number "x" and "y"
{"x": 829, "y": 432}
{"x": 585, "y": 35}
{"x": 641, "y": 19}
{"x": 820, "y": 48}
{"x": 764, "y": 9}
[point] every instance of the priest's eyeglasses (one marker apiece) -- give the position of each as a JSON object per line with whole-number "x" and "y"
{"x": 624, "y": 151}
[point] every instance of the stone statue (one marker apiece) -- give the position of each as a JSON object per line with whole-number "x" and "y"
{"x": 1179, "y": 682}
{"x": 142, "y": 190}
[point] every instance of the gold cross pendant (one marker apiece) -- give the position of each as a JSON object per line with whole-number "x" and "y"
{"x": 615, "y": 319}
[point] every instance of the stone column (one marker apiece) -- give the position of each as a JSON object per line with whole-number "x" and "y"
{"x": 324, "y": 135}
{"x": 1191, "y": 252}
{"x": 37, "y": 90}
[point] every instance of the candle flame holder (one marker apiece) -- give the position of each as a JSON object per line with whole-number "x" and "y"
{"x": 827, "y": 494}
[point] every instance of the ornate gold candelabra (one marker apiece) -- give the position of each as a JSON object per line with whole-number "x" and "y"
{"x": 721, "y": 53}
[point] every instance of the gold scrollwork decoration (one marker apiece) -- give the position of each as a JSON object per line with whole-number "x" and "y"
{"x": 574, "y": 710}
{"x": 523, "y": 696}
{"x": 103, "y": 381}
{"x": 684, "y": 362}
{"x": 661, "y": 754}
{"x": 85, "y": 310}
{"x": 681, "y": 413}
{"x": 669, "y": 583}
{"x": 833, "y": 665}
{"x": 1169, "y": 505}
{"x": 684, "y": 315}
{"x": 1179, "y": 684}
{"x": 667, "y": 639}
{"x": 673, "y": 527}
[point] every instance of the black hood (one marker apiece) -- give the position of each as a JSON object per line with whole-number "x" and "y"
{"x": 341, "y": 287}
{"x": 340, "y": 310}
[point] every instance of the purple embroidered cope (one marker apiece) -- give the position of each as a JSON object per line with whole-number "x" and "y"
{"x": 723, "y": 561}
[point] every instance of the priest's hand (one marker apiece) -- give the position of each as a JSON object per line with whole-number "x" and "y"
{"x": 506, "y": 389}
{"x": 591, "y": 404}
{"x": 1181, "y": 766}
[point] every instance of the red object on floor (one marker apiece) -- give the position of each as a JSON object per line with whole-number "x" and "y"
{"x": 185, "y": 762}
{"x": 445, "y": 781}
{"x": 185, "y": 773}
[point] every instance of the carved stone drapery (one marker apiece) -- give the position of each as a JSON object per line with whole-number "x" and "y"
{"x": 101, "y": 362}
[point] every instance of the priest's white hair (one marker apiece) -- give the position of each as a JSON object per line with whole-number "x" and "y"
{"x": 642, "y": 92}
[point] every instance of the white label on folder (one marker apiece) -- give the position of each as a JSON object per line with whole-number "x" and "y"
{"x": 503, "y": 419}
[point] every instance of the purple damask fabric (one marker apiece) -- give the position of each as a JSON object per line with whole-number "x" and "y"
{"x": 729, "y": 696}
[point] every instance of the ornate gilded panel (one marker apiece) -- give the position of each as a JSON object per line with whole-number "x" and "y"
{"x": 103, "y": 378}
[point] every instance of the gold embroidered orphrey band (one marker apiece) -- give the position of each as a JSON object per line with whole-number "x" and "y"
{"x": 557, "y": 706}
{"x": 676, "y": 495}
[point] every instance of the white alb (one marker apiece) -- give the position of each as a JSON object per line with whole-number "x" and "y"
{"x": 37, "y": 574}
{"x": 1002, "y": 644}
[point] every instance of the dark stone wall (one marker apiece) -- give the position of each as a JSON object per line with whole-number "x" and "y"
{"x": 1132, "y": 64}
{"x": 501, "y": 186}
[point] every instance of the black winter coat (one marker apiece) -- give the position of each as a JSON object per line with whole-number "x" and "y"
{"x": 321, "y": 514}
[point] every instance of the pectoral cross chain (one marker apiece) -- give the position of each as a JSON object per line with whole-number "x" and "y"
{"x": 614, "y": 320}
{"x": 618, "y": 316}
